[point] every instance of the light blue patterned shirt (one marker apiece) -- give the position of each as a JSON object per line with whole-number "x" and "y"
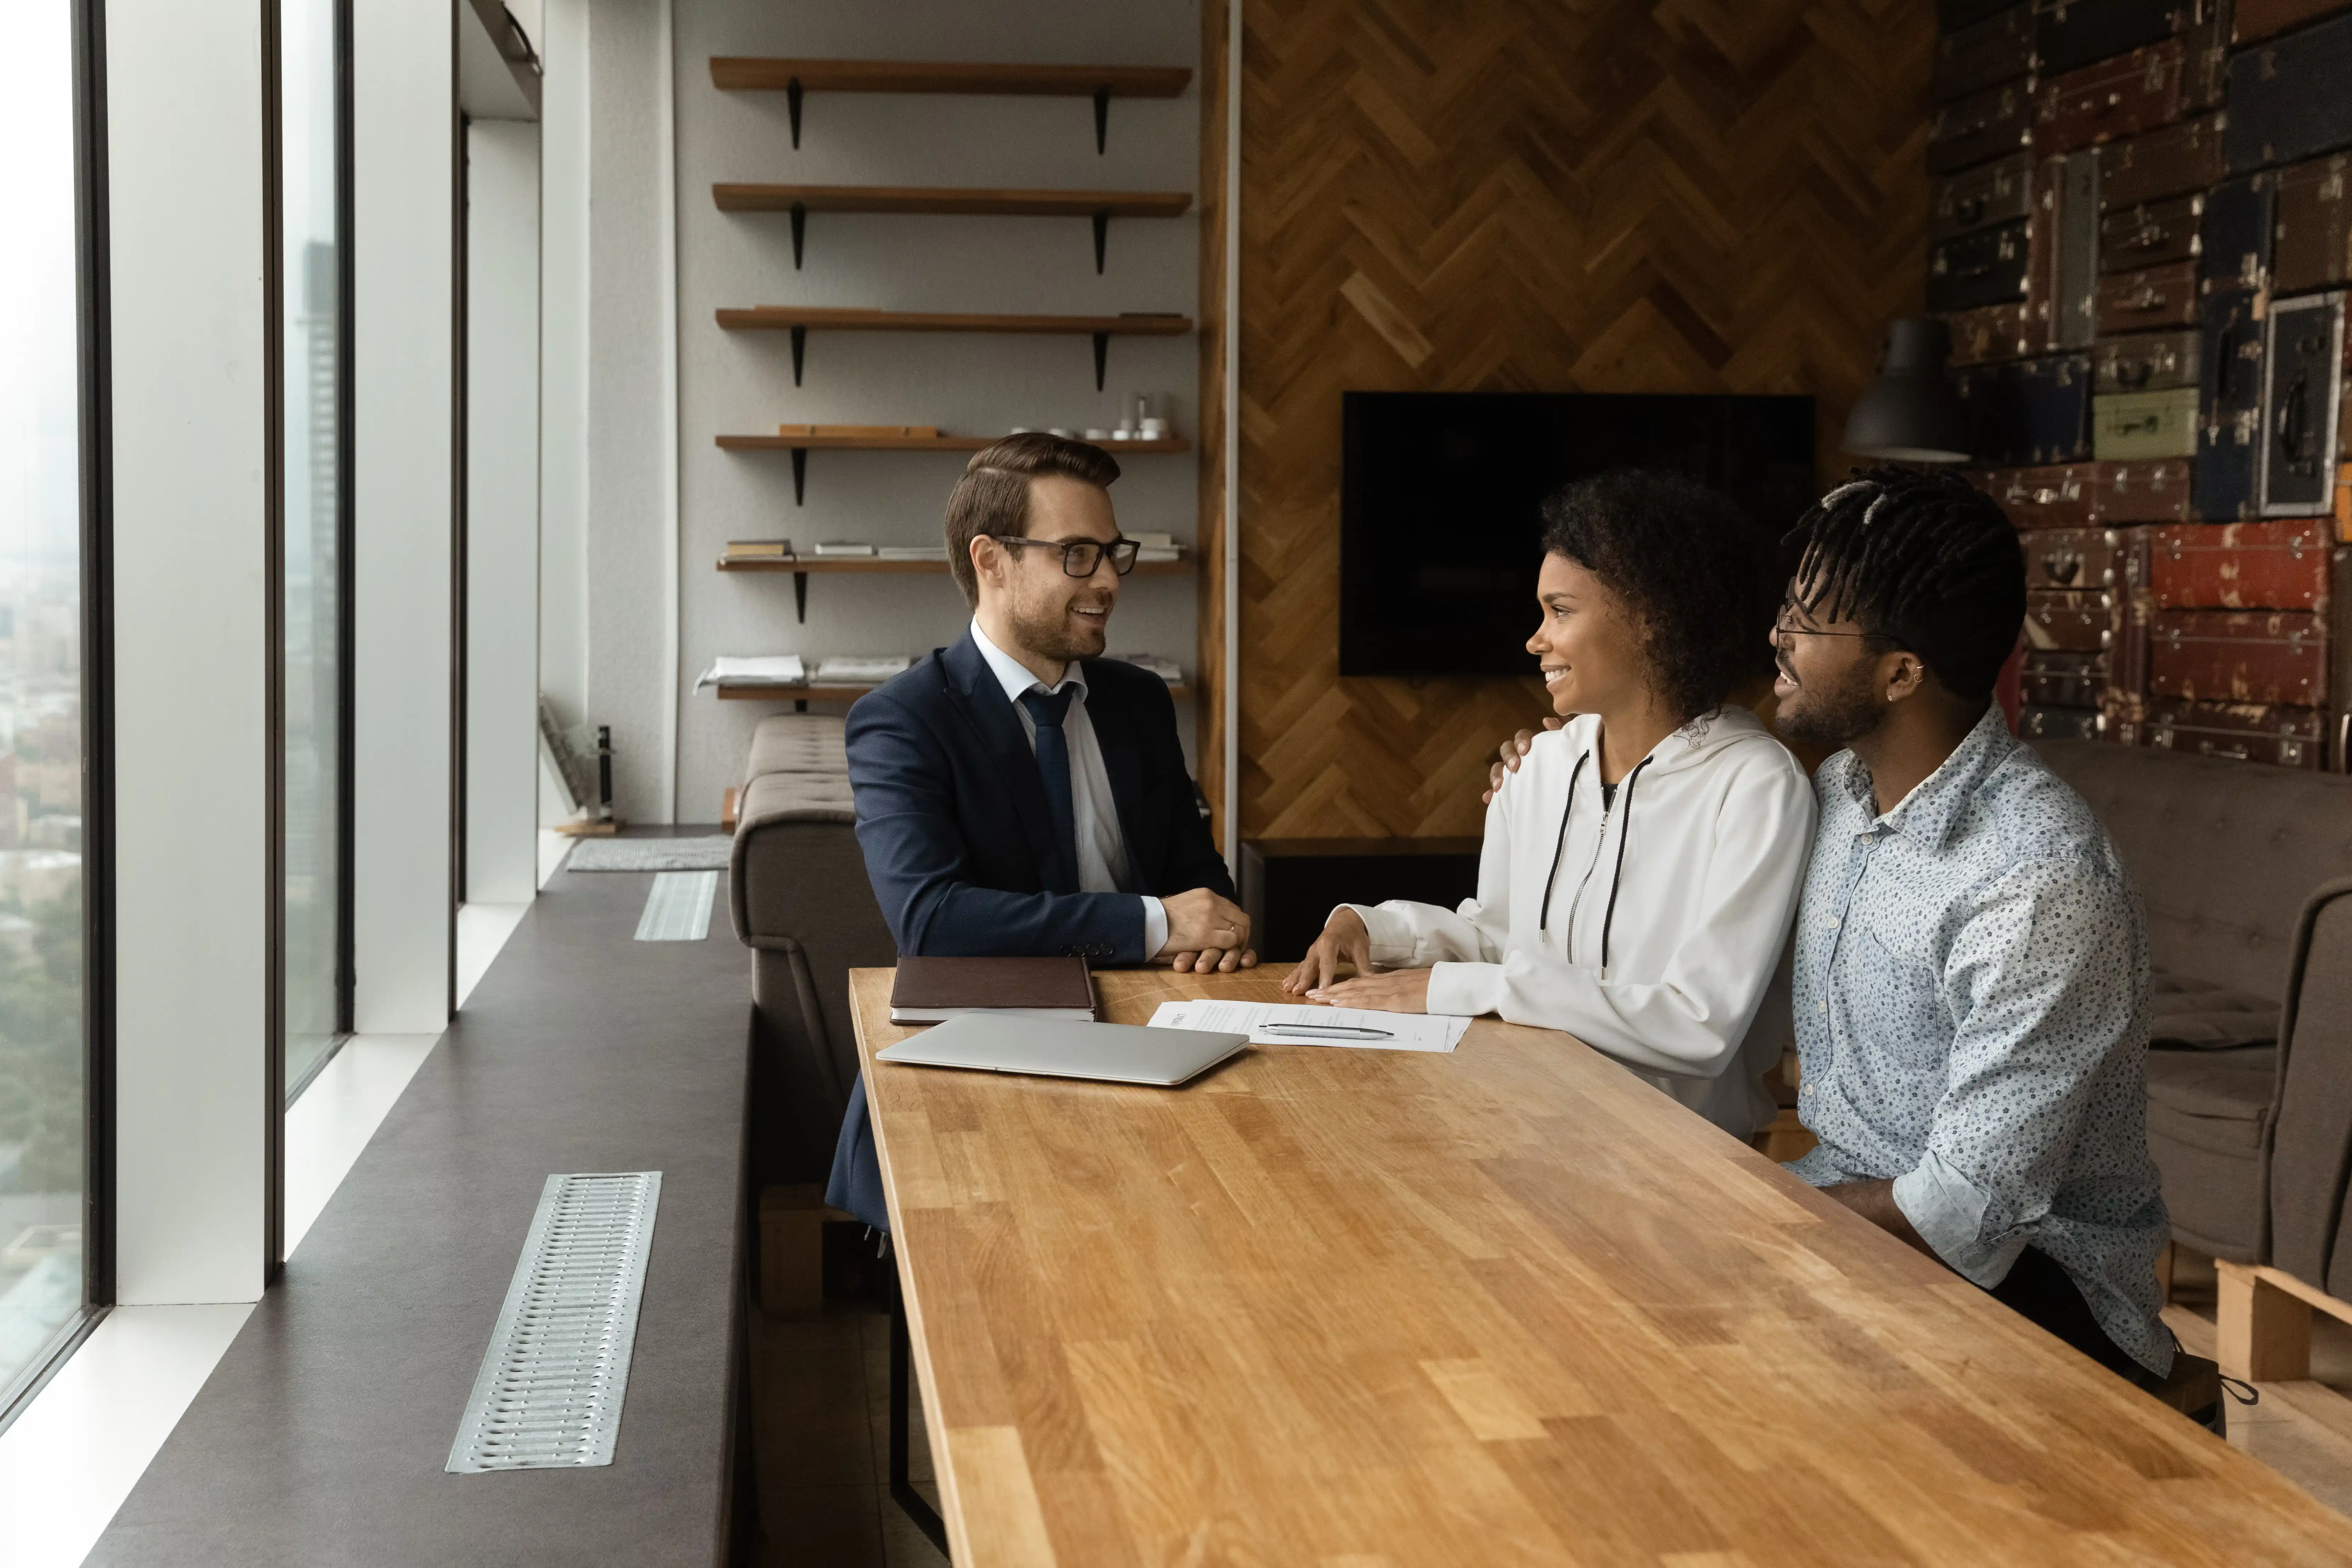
{"x": 1971, "y": 1010}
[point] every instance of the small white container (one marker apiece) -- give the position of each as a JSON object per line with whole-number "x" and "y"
{"x": 1063, "y": 431}
{"x": 1098, "y": 434}
{"x": 1155, "y": 430}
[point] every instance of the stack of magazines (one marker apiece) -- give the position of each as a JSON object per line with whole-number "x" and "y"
{"x": 770, "y": 669}
{"x": 860, "y": 669}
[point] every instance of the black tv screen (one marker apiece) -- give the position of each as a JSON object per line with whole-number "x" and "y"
{"x": 1440, "y": 493}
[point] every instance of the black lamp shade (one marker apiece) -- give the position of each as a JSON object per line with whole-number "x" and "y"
{"x": 1910, "y": 414}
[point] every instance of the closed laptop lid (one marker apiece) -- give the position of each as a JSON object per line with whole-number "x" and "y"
{"x": 1117, "y": 1053}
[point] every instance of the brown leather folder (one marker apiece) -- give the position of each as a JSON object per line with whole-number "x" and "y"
{"x": 927, "y": 989}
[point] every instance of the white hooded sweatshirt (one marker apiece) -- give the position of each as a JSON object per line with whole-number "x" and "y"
{"x": 1648, "y": 927}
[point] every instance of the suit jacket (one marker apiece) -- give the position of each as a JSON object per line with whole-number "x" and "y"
{"x": 953, "y": 818}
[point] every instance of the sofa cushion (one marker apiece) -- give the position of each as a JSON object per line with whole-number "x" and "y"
{"x": 2202, "y": 1015}
{"x": 2207, "y": 1114}
{"x": 797, "y": 744}
{"x": 2231, "y": 1089}
{"x": 2223, "y": 853}
{"x": 803, "y": 797}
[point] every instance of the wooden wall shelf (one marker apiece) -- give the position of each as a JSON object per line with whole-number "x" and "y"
{"x": 799, "y": 697}
{"x": 794, "y": 78}
{"x": 802, "y": 200}
{"x": 801, "y": 320}
{"x": 916, "y": 444}
{"x": 800, "y": 566}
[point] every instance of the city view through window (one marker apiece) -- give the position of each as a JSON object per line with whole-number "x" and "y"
{"x": 42, "y": 1063}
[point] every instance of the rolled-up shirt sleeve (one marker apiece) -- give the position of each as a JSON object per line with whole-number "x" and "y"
{"x": 2044, "y": 981}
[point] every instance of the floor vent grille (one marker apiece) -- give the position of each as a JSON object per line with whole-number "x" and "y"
{"x": 548, "y": 1395}
{"x": 678, "y": 907}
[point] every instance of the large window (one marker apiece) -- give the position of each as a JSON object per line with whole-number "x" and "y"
{"x": 316, "y": 967}
{"x": 44, "y": 1078}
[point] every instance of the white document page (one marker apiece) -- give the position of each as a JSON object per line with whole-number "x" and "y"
{"x": 1312, "y": 1023}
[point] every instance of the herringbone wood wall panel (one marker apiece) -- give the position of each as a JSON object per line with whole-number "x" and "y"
{"x": 1602, "y": 195}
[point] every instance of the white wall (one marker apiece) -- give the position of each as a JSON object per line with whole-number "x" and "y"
{"x": 630, "y": 563}
{"x": 192, "y": 653}
{"x": 403, "y": 150}
{"x": 742, "y": 382}
{"x": 501, "y": 510}
{"x": 563, "y": 364}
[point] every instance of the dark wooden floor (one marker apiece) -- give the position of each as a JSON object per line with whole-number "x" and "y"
{"x": 821, "y": 1384}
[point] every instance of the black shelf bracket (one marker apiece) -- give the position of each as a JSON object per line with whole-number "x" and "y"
{"x": 800, "y": 352}
{"x": 800, "y": 233}
{"x": 1102, "y": 358}
{"x": 800, "y": 596}
{"x": 800, "y": 483}
{"x": 1102, "y": 236}
{"x": 793, "y": 106}
{"x": 1102, "y": 121}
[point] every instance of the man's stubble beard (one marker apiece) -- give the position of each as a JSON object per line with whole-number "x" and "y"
{"x": 1049, "y": 634}
{"x": 1834, "y": 718}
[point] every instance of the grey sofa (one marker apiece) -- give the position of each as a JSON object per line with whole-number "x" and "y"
{"x": 798, "y": 892}
{"x": 2227, "y": 856}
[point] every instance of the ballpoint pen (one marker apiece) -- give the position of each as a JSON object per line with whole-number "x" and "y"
{"x": 1330, "y": 1031}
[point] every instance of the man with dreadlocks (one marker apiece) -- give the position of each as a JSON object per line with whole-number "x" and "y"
{"x": 1970, "y": 961}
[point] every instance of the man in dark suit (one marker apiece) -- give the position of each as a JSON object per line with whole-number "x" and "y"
{"x": 1018, "y": 793}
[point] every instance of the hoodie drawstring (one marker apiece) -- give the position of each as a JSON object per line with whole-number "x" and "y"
{"x": 1617, "y": 872}
{"x": 1543, "y": 913}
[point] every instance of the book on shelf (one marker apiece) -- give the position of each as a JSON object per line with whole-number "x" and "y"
{"x": 1167, "y": 669}
{"x": 931, "y": 990}
{"x": 763, "y": 549}
{"x": 1155, "y": 552}
{"x": 911, "y": 552}
{"x": 765, "y": 669}
{"x": 843, "y": 547}
{"x": 1155, "y": 540}
{"x": 860, "y": 669}
{"x": 922, "y": 432}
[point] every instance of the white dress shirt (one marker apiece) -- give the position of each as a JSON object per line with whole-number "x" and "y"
{"x": 1103, "y": 866}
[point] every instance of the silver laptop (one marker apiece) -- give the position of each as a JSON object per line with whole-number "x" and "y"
{"x": 1119, "y": 1053}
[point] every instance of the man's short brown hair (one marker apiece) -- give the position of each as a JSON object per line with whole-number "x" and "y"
{"x": 993, "y": 497}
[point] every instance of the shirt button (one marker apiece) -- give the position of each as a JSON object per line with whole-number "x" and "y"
{"x": 1822, "y": 1007}
{"x": 1807, "y": 1089}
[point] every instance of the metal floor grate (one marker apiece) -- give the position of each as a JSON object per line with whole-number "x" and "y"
{"x": 678, "y": 907}
{"x": 548, "y": 1395}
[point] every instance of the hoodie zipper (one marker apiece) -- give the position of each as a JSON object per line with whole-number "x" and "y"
{"x": 1577, "y": 902}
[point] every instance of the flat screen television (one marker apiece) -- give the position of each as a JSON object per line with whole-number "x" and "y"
{"x": 1439, "y": 491}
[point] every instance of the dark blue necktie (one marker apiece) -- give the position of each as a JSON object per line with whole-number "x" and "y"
{"x": 1054, "y": 767}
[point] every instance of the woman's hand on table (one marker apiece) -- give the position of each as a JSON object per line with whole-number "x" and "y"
{"x": 1344, "y": 941}
{"x": 1394, "y": 991}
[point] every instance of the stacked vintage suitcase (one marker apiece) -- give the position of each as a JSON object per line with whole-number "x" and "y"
{"x": 2142, "y": 237}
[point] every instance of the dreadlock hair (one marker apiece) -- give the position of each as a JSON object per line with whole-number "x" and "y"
{"x": 1926, "y": 562}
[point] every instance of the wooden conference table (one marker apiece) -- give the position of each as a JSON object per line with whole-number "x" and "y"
{"x": 1504, "y": 1306}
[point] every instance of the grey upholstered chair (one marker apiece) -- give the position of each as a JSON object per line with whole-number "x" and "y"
{"x": 801, "y": 901}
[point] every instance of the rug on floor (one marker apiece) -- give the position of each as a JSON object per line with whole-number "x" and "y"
{"x": 651, "y": 853}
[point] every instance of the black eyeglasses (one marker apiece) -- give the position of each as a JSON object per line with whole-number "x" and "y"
{"x": 1784, "y": 628}
{"x": 1083, "y": 557}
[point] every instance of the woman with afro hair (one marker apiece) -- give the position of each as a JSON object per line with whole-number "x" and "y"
{"x": 1639, "y": 875}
